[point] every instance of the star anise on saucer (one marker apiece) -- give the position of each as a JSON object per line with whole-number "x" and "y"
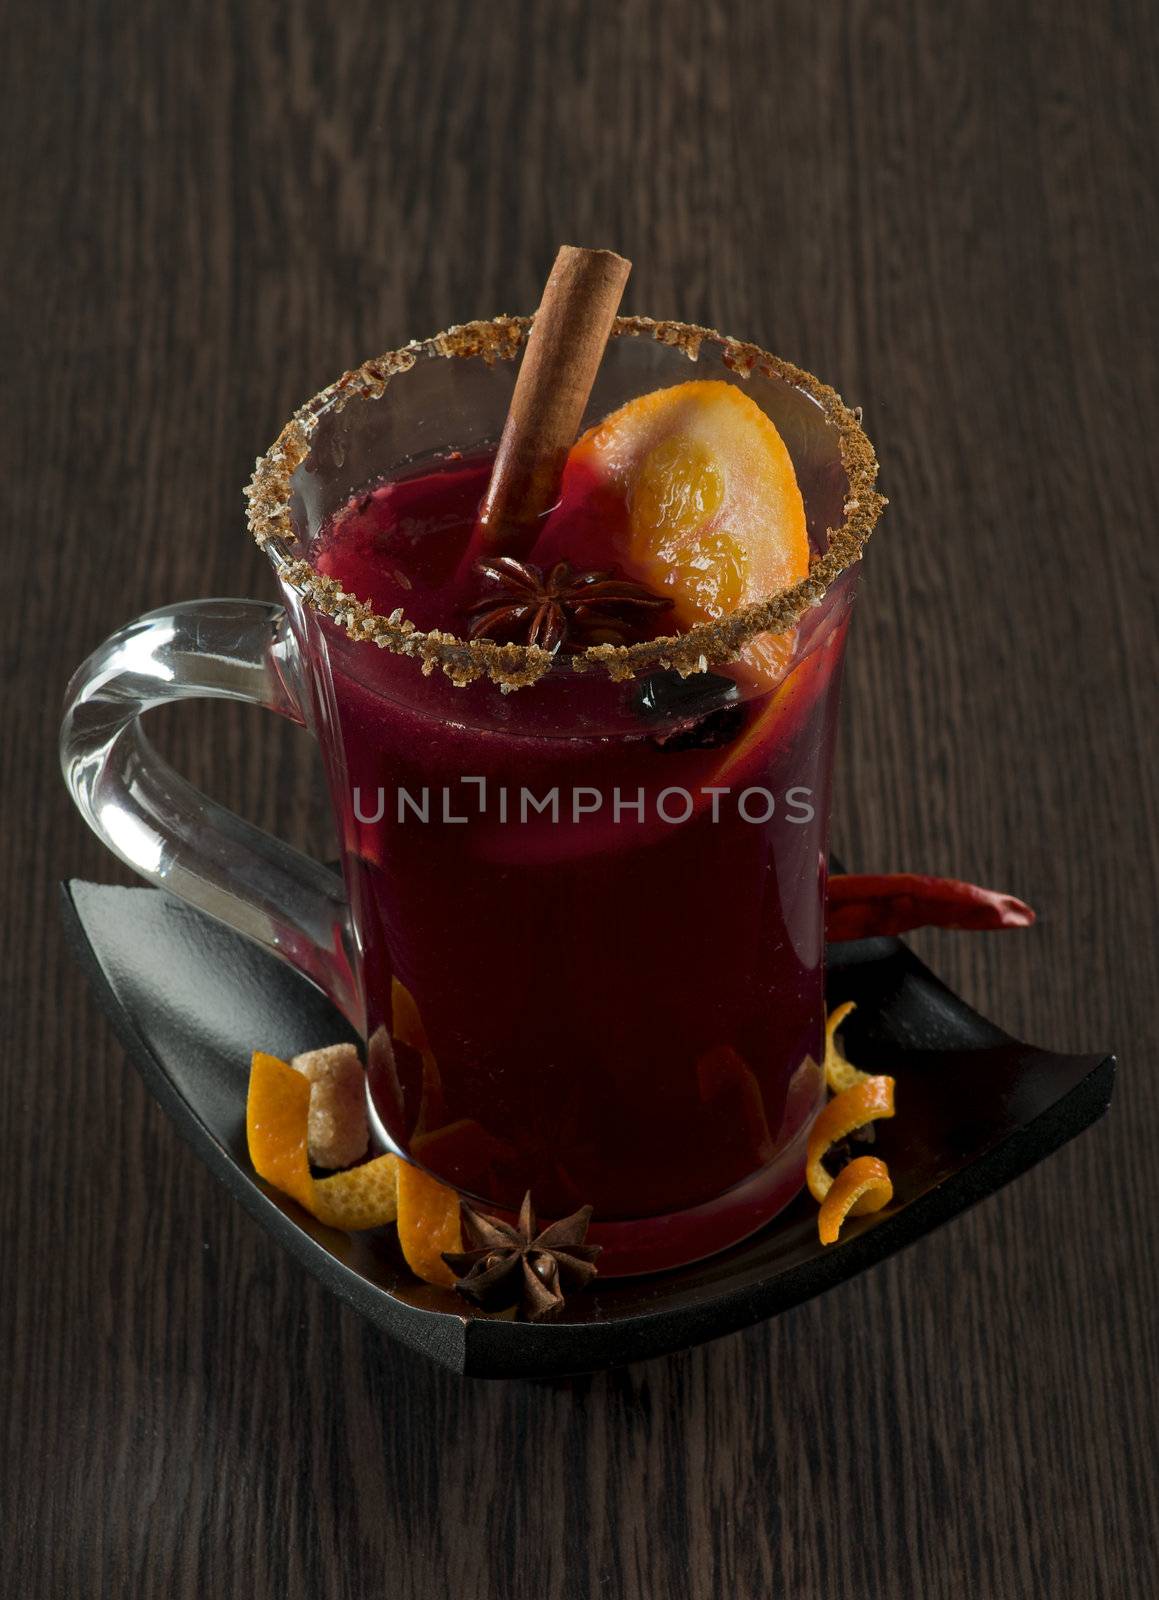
{"x": 561, "y": 606}
{"x": 507, "y": 1266}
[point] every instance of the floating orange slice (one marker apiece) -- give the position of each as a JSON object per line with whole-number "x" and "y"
{"x": 465, "y": 1152}
{"x": 786, "y": 707}
{"x": 729, "y": 1086}
{"x": 407, "y": 1028}
{"x": 715, "y": 516}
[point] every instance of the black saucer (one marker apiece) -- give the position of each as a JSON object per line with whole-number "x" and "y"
{"x": 189, "y": 1001}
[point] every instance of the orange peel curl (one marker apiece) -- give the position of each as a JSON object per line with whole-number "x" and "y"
{"x": 847, "y": 1111}
{"x": 840, "y": 1074}
{"x": 862, "y": 1186}
{"x": 380, "y": 1191}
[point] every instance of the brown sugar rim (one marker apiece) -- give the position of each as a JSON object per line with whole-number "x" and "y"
{"x": 514, "y": 666}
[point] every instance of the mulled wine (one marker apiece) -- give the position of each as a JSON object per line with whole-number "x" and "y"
{"x": 590, "y": 912}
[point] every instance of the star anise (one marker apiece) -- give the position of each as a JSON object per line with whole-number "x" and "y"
{"x": 559, "y": 607}
{"x": 507, "y": 1265}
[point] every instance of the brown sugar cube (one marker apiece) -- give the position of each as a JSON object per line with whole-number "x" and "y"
{"x": 337, "y": 1132}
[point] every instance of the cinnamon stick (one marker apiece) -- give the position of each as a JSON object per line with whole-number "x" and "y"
{"x": 563, "y": 354}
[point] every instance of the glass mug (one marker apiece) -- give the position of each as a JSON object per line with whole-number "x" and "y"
{"x": 580, "y": 926}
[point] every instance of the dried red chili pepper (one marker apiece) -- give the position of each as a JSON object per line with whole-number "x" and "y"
{"x": 863, "y": 905}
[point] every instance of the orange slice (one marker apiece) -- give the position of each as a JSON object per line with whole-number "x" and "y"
{"x": 715, "y": 516}
{"x": 729, "y": 1088}
{"x": 406, "y": 1026}
{"x": 786, "y": 707}
{"x": 465, "y": 1152}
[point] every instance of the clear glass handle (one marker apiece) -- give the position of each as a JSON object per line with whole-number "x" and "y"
{"x": 167, "y": 830}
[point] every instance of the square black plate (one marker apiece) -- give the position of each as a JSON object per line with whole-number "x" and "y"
{"x": 190, "y": 1000}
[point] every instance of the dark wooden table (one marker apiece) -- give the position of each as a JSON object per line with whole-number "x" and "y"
{"x": 950, "y": 213}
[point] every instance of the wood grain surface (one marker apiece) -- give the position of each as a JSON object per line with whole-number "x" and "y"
{"x": 950, "y": 212}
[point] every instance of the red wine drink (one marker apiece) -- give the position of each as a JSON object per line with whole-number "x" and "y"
{"x": 590, "y": 911}
{"x": 565, "y": 613}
